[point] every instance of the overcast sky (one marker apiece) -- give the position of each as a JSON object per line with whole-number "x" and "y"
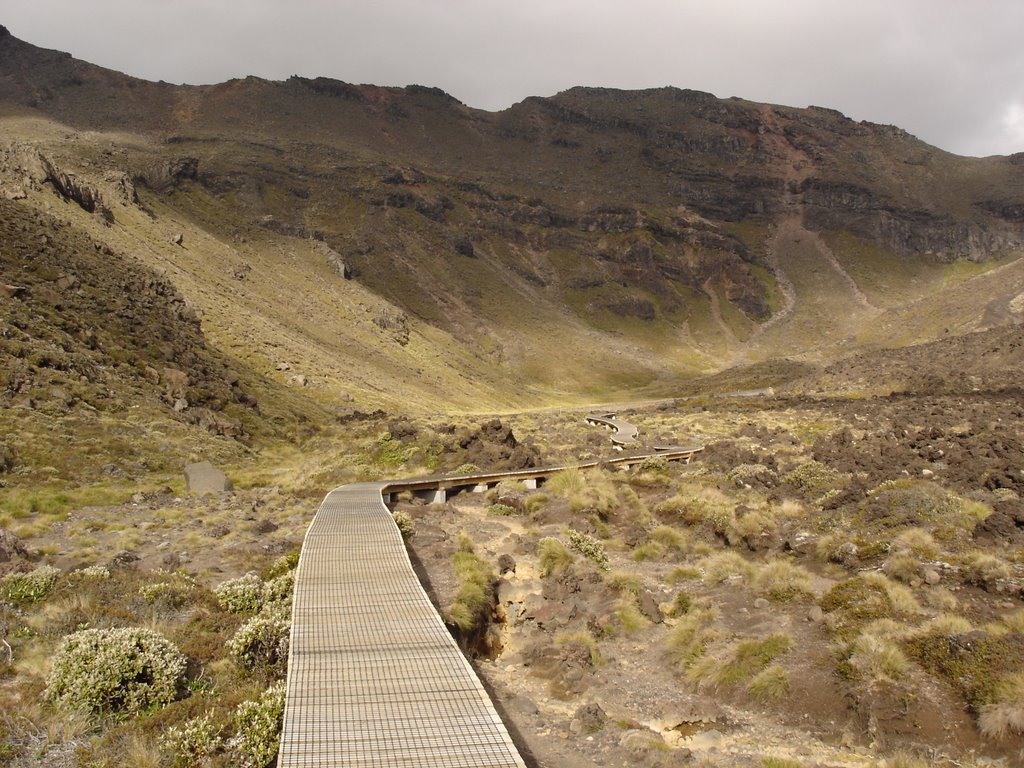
{"x": 949, "y": 71}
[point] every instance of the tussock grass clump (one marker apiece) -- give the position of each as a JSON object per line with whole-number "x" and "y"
{"x": 589, "y": 547}
{"x": 983, "y": 569}
{"x": 567, "y": 483}
{"x": 770, "y": 684}
{"x": 919, "y": 542}
{"x": 782, "y": 580}
{"x": 472, "y": 603}
{"x": 621, "y": 581}
{"x": 650, "y": 550}
{"x": 629, "y": 616}
{"x": 724, "y": 566}
{"x": 535, "y": 502}
{"x": 115, "y": 671}
{"x": 854, "y": 603}
{"x": 902, "y": 566}
{"x": 672, "y": 539}
{"x": 690, "y": 637}
{"x": 552, "y": 556}
{"x": 259, "y": 727}
{"x": 874, "y": 658}
{"x": 1005, "y": 715}
{"x": 745, "y": 660}
{"x": 29, "y": 587}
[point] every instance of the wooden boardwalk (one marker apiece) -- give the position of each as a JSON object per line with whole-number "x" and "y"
{"x": 374, "y": 677}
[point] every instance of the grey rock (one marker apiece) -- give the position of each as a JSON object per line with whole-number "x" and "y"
{"x": 815, "y": 615}
{"x": 203, "y": 477}
{"x": 761, "y": 604}
{"x": 932, "y": 576}
{"x": 649, "y": 607}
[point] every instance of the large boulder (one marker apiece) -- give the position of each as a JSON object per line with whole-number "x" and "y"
{"x": 203, "y": 477}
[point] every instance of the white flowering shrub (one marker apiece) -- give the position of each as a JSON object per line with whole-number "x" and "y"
{"x": 94, "y": 572}
{"x": 241, "y": 595}
{"x": 188, "y": 744}
{"x": 261, "y": 643}
{"x": 279, "y": 590}
{"x": 115, "y": 670}
{"x": 589, "y": 547}
{"x": 259, "y": 727}
{"x": 29, "y": 587}
{"x": 406, "y": 525}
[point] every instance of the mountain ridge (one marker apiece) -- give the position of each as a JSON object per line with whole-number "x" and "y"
{"x": 665, "y": 231}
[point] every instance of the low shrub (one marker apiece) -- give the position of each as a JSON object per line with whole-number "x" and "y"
{"x": 502, "y": 510}
{"x": 589, "y": 547}
{"x": 406, "y": 525}
{"x": 29, "y": 587}
{"x": 241, "y": 595}
{"x": 259, "y": 727}
{"x": 813, "y": 479}
{"x": 261, "y": 644}
{"x": 115, "y": 670}
{"x": 190, "y": 743}
{"x": 873, "y": 658}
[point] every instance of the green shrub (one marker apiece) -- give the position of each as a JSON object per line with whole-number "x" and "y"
{"x": 283, "y": 564}
{"x": 406, "y": 525}
{"x": 589, "y": 547}
{"x": 552, "y": 556}
{"x": 115, "y": 670}
{"x": 975, "y": 667}
{"x": 502, "y": 510}
{"x": 29, "y": 587}
{"x": 241, "y": 595}
{"x": 188, "y": 744}
{"x": 259, "y": 727}
{"x": 854, "y": 603}
{"x": 261, "y": 644}
{"x": 813, "y": 479}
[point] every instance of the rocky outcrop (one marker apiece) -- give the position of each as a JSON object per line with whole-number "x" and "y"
{"x": 203, "y": 477}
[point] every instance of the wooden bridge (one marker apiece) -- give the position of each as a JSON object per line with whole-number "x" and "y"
{"x": 374, "y": 676}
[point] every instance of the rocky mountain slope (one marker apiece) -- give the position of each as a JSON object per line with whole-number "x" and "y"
{"x": 371, "y": 239}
